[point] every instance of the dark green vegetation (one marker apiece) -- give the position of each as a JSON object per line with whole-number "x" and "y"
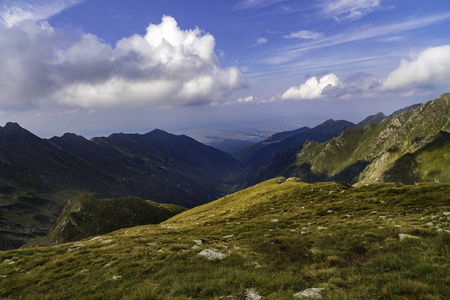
{"x": 38, "y": 176}
{"x": 84, "y": 216}
{"x": 410, "y": 146}
{"x": 281, "y": 237}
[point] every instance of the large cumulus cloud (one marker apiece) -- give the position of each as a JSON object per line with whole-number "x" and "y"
{"x": 167, "y": 66}
{"x": 430, "y": 67}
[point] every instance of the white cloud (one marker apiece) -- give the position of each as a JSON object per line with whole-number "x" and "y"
{"x": 304, "y": 34}
{"x": 167, "y": 66}
{"x": 34, "y": 10}
{"x": 312, "y": 88}
{"x": 431, "y": 67}
{"x": 349, "y": 9}
{"x": 246, "y": 99}
{"x": 260, "y": 41}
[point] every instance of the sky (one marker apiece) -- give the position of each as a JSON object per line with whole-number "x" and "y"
{"x": 211, "y": 67}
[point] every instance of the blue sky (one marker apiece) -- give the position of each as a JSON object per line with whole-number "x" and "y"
{"x": 94, "y": 67}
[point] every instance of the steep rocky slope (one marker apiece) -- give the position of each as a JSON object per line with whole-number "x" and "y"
{"x": 412, "y": 141}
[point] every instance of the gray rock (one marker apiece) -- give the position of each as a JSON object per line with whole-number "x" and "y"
{"x": 403, "y": 236}
{"x": 212, "y": 255}
{"x": 199, "y": 242}
{"x": 252, "y": 294}
{"x": 75, "y": 247}
{"x": 311, "y": 293}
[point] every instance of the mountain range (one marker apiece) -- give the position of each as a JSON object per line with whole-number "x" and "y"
{"x": 39, "y": 176}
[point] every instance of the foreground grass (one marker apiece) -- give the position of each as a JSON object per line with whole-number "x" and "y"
{"x": 281, "y": 237}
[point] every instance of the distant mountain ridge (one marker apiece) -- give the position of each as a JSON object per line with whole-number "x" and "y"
{"x": 157, "y": 166}
{"x": 264, "y": 150}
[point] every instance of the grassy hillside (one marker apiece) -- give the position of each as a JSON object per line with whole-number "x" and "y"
{"x": 384, "y": 241}
{"x": 84, "y": 216}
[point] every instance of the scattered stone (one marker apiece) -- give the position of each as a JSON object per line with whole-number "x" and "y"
{"x": 196, "y": 247}
{"x": 274, "y": 221}
{"x": 212, "y": 255}
{"x": 228, "y": 236}
{"x": 430, "y": 224}
{"x": 252, "y": 294}
{"x": 108, "y": 264}
{"x": 75, "y": 247}
{"x": 116, "y": 277}
{"x": 107, "y": 241}
{"x": 199, "y": 242}
{"x": 9, "y": 261}
{"x": 152, "y": 244}
{"x": 311, "y": 293}
{"x": 295, "y": 179}
{"x": 382, "y": 217}
{"x": 329, "y": 211}
{"x": 3, "y": 276}
{"x": 403, "y": 236}
{"x": 447, "y": 213}
{"x": 97, "y": 238}
{"x": 184, "y": 251}
{"x": 321, "y": 228}
{"x": 397, "y": 225}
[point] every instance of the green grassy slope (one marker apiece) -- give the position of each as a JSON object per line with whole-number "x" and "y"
{"x": 280, "y": 237}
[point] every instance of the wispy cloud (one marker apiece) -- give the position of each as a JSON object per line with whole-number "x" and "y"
{"x": 17, "y": 11}
{"x": 349, "y": 9}
{"x": 257, "y": 3}
{"x": 304, "y": 34}
{"x": 290, "y": 53}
